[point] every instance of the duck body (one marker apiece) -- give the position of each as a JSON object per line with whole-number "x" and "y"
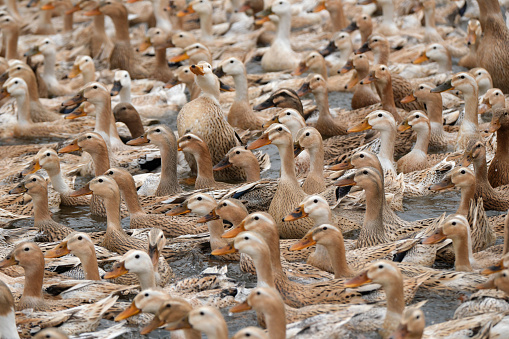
{"x": 498, "y": 172}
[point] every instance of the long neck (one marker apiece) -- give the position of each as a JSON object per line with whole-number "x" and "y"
{"x": 169, "y": 181}
{"x": 373, "y": 231}
{"x": 502, "y": 142}
{"x": 24, "y": 118}
{"x": 89, "y": 263}
{"x": 161, "y": 62}
{"x": 506, "y": 235}
{"x": 467, "y": 194}
{"x": 337, "y": 254}
{"x": 316, "y": 156}
{"x": 206, "y": 25}
{"x": 12, "y": 44}
{"x": 41, "y": 209}
{"x": 88, "y": 76}
{"x": 381, "y": 55}
{"x": 135, "y": 126}
{"x": 275, "y": 317}
{"x": 322, "y": 101}
{"x": 112, "y": 205}
{"x": 240, "y": 81}
{"x": 429, "y": 17}
{"x": 191, "y": 334}
{"x": 422, "y": 140}
{"x": 395, "y": 302}
{"x": 101, "y": 160}
{"x": 204, "y": 163}
{"x": 388, "y": 139}
{"x": 12, "y": 8}
{"x": 121, "y": 27}
{"x": 388, "y": 13}
{"x": 283, "y": 30}
{"x": 491, "y": 17}
{"x": 147, "y": 278}
{"x": 444, "y": 65}
{"x": 252, "y": 169}
{"x": 58, "y": 182}
{"x": 99, "y": 25}
{"x": 481, "y": 172}
{"x": 471, "y": 105}
{"x": 49, "y": 64}
{"x": 68, "y": 22}
{"x": 386, "y": 94}
{"x": 125, "y": 94}
{"x": 264, "y": 273}
{"x": 433, "y": 106}
{"x": 103, "y": 118}
{"x": 128, "y": 189}
{"x": 216, "y": 229}
{"x": 34, "y": 275}
{"x": 287, "y": 164}
{"x": 463, "y": 253}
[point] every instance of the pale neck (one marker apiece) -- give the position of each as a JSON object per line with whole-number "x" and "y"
{"x": 12, "y": 8}
{"x": 386, "y": 95}
{"x": 287, "y": 164}
{"x": 252, "y": 169}
{"x": 128, "y": 188}
{"x": 444, "y": 65}
{"x": 275, "y": 317}
{"x": 429, "y": 18}
{"x": 388, "y": 13}
{"x": 89, "y": 263}
{"x": 388, "y": 139}
{"x": 395, "y": 300}
{"x": 241, "y": 93}
{"x": 216, "y": 230}
{"x": 322, "y": 101}
{"x": 467, "y": 194}
{"x": 422, "y": 140}
{"x": 283, "y": 30}
{"x": 471, "y": 105}
{"x": 41, "y": 209}
{"x": 49, "y": 64}
{"x": 125, "y": 94}
{"x": 204, "y": 164}
{"x": 345, "y": 51}
{"x": 209, "y": 86}
{"x": 337, "y": 254}
{"x": 206, "y": 25}
{"x": 382, "y": 55}
{"x": 8, "y": 325}
{"x": 463, "y": 253}
{"x": 434, "y": 109}
{"x": 316, "y": 156}
{"x": 88, "y": 76}
{"x": 147, "y": 278}
{"x": 58, "y": 182}
{"x": 161, "y": 62}
{"x": 103, "y": 119}
{"x": 101, "y": 160}
{"x": 24, "y": 117}
{"x": 112, "y": 205}
{"x": 264, "y": 273}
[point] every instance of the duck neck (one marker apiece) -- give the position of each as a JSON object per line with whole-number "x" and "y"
{"x": 337, "y": 254}
{"x": 58, "y": 182}
{"x": 89, "y": 263}
{"x": 463, "y": 252}
{"x": 264, "y": 271}
{"x": 444, "y": 64}
{"x": 98, "y": 25}
{"x": 287, "y": 164}
{"x": 88, "y": 76}
{"x": 388, "y": 139}
{"x": 433, "y": 105}
{"x": 12, "y": 8}
{"x": 506, "y": 235}
{"x": 241, "y": 93}
{"x": 24, "y": 117}
{"x": 147, "y": 278}
{"x": 161, "y": 62}
{"x": 252, "y": 169}
{"x": 34, "y": 275}
{"x": 429, "y": 17}
{"x": 395, "y": 302}
{"x": 386, "y": 95}
{"x": 275, "y": 317}
{"x": 12, "y": 43}
{"x": 491, "y": 17}
{"x": 103, "y": 119}
{"x": 128, "y": 188}
{"x": 169, "y": 181}
{"x": 101, "y": 160}
{"x": 467, "y": 194}
{"x": 422, "y": 141}
{"x": 68, "y": 22}
{"x": 316, "y": 156}
{"x": 503, "y": 142}
{"x": 112, "y": 205}
{"x": 125, "y": 94}
{"x": 216, "y": 229}
{"x": 283, "y": 30}
{"x": 381, "y": 55}
{"x": 8, "y": 323}
{"x": 322, "y": 101}
{"x": 373, "y": 231}
{"x": 388, "y": 13}
{"x": 49, "y": 64}
{"x": 471, "y": 105}
{"x": 121, "y": 27}
{"x": 206, "y": 25}
{"x": 204, "y": 164}
{"x": 41, "y": 209}
{"x": 481, "y": 172}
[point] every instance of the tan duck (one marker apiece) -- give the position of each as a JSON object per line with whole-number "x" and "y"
{"x": 335, "y": 9}
{"x": 494, "y": 199}
{"x": 163, "y": 137}
{"x": 497, "y": 172}
{"x": 204, "y": 117}
{"x": 474, "y": 36}
{"x": 498, "y": 281}
{"x": 439, "y": 139}
{"x": 204, "y": 10}
{"x": 313, "y": 63}
{"x": 172, "y": 227}
{"x": 309, "y": 138}
{"x": 84, "y": 65}
{"x": 464, "y": 179}
{"x": 8, "y": 319}
{"x": 48, "y": 160}
{"x": 51, "y": 333}
{"x": 126, "y": 113}
{"x": 288, "y": 193}
{"x": 195, "y": 52}
{"x": 250, "y": 332}
{"x": 363, "y": 94}
{"x": 440, "y": 55}
{"x": 184, "y": 75}
{"x": 157, "y": 37}
{"x": 283, "y": 98}
{"x": 11, "y": 29}
{"x": 326, "y": 124}
{"x": 241, "y": 114}
{"x": 364, "y": 24}
{"x": 411, "y": 325}
{"x": 469, "y": 129}
{"x": 241, "y": 157}
{"x": 37, "y": 188}
{"x": 99, "y": 96}
{"x": 115, "y": 238}
{"x": 122, "y": 56}
{"x": 483, "y": 79}
{"x": 147, "y": 301}
{"x": 492, "y": 100}
{"x": 495, "y": 33}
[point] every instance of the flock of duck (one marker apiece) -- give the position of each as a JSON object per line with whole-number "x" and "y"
{"x": 156, "y": 111}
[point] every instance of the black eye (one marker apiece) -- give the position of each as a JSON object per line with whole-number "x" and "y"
{"x": 188, "y": 137}
{"x": 110, "y": 172}
{"x": 258, "y": 293}
{"x": 47, "y": 42}
{"x": 418, "y": 316}
{"x": 380, "y": 115}
{"x": 48, "y": 335}
{"x": 158, "y": 32}
{"x": 16, "y": 82}
{"x": 478, "y": 146}
{"x": 364, "y": 172}
{"x": 101, "y": 180}
{"x": 256, "y": 218}
{"x": 462, "y": 77}
{"x": 146, "y": 294}
{"x": 168, "y": 305}
{"x": 454, "y": 223}
{"x": 380, "y": 266}
{"x": 89, "y": 137}
{"x": 95, "y": 87}
{"x": 124, "y": 108}
{"x": 504, "y": 275}
{"x": 462, "y": 171}
{"x": 34, "y": 179}
{"x": 238, "y": 152}
{"x": 197, "y": 47}
{"x": 246, "y": 238}
{"x": 202, "y": 313}
{"x": 315, "y": 201}
{"x": 158, "y": 130}
{"x": 421, "y": 87}
{"x": 137, "y": 256}
{"x": 317, "y": 79}
{"x": 307, "y": 134}
{"x": 496, "y": 93}
{"x": 479, "y": 73}
{"x": 181, "y": 36}
{"x": 248, "y": 334}
{"x": 280, "y": 129}
{"x": 434, "y": 47}
{"x": 362, "y": 155}
{"x": 186, "y": 71}
{"x": 287, "y": 113}
{"x": 375, "y": 40}
{"x": 27, "y": 249}
{"x": 417, "y": 116}
{"x": 48, "y": 154}
{"x": 383, "y": 68}
{"x": 200, "y": 198}
{"x": 231, "y": 61}
{"x": 80, "y": 238}
{"x": 225, "y": 204}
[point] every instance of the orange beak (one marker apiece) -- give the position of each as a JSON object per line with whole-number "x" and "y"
{"x": 72, "y": 10}
{"x": 358, "y": 280}
{"x": 209, "y": 217}
{"x": 274, "y": 120}
{"x": 197, "y": 69}
{"x": 235, "y": 231}
{"x": 48, "y": 6}
{"x": 345, "y": 182}
{"x": 72, "y": 147}
{"x": 129, "y": 312}
{"x": 436, "y": 237}
{"x": 494, "y": 269}
{"x": 301, "y": 69}
{"x": 9, "y": 261}
{"x": 319, "y": 7}
{"x": 179, "y": 210}
{"x": 367, "y": 80}
{"x": 242, "y": 307}
{"x": 154, "y": 324}
{"x": 423, "y": 57}
{"x": 188, "y": 10}
{"x": 342, "y": 166}
{"x": 138, "y": 141}
{"x": 442, "y": 185}
{"x": 77, "y": 113}
{"x": 182, "y": 324}
{"x": 296, "y": 214}
{"x": 117, "y": 270}
{"x": 364, "y": 125}
{"x": 32, "y": 168}
{"x": 85, "y": 190}
{"x": 303, "y": 243}
{"x": 260, "y": 142}
{"x": 354, "y": 80}
{"x": 93, "y": 12}
{"x": 75, "y": 71}
{"x": 180, "y": 57}
{"x": 146, "y": 44}
{"x": 262, "y": 20}
{"x": 225, "y": 250}
{"x": 404, "y": 126}
{"x": 408, "y": 98}
{"x": 59, "y": 251}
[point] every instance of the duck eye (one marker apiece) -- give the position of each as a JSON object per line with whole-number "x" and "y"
{"x": 47, "y": 42}
{"x": 95, "y": 87}
{"x": 380, "y": 266}
{"x": 256, "y": 218}
{"x": 417, "y": 116}
{"x": 231, "y": 61}
{"x": 362, "y": 155}
{"x": 16, "y": 82}
{"x": 421, "y": 87}
{"x": 496, "y": 93}
{"x": 200, "y": 198}
{"x": 110, "y": 172}
{"x": 462, "y": 171}
{"x": 364, "y": 172}
{"x": 478, "y": 145}
{"x": 158, "y": 130}
{"x": 462, "y": 77}
{"x": 380, "y": 115}
{"x": 137, "y": 256}
{"x": 238, "y": 152}
{"x": 287, "y": 113}
{"x": 383, "y": 68}
{"x": 225, "y": 204}
{"x": 248, "y": 334}
{"x": 434, "y": 47}
{"x": 89, "y": 137}
{"x": 418, "y": 316}
{"x": 27, "y": 249}
{"x": 280, "y": 129}
{"x": 307, "y": 134}
{"x": 186, "y": 71}
{"x": 48, "y": 336}
{"x": 34, "y": 179}
{"x": 246, "y": 238}
{"x": 317, "y": 79}
{"x": 101, "y": 180}
{"x": 48, "y": 154}
{"x": 479, "y": 73}
{"x": 202, "y": 313}
{"x": 258, "y": 293}
{"x": 146, "y": 294}
{"x": 315, "y": 201}
{"x": 168, "y": 305}
{"x": 454, "y": 223}
{"x": 158, "y": 32}
{"x": 188, "y": 137}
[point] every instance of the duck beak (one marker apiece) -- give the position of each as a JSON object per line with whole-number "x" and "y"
{"x": 180, "y": 209}
{"x": 404, "y": 126}
{"x": 364, "y": 125}
{"x": 77, "y": 113}
{"x": 47, "y": 7}
{"x": 401, "y": 332}
{"x": 331, "y": 47}
{"x": 171, "y": 83}
{"x": 85, "y": 190}
{"x": 32, "y": 51}
{"x": 145, "y": 45}
{"x": 20, "y": 188}
{"x": 8, "y": 261}
{"x": 197, "y": 69}
{"x": 435, "y": 238}
{"x": 72, "y": 10}
{"x": 72, "y": 147}
{"x": 218, "y": 71}
{"x": 180, "y": 57}
{"x": 117, "y": 87}
{"x": 471, "y": 38}
{"x": 353, "y": 80}
{"x": 93, "y": 12}
{"x": 493, "y": 269}
{"x": 129, "y": 312}
{"x": 297, "y": 149}
{"x": 347, "y": 67}
{"x": 4, "y": 93}
{"x": 260, "y": 142}
{"x": 301, "y": 69}
{"x": 225, "y": 163}
{"x": 188, "y": 10}
{"x": 153, "y": 253}
{"x": 342, "y": 166}
{"x": 304, "y": 242}
{"x": 274, "y": 120}
{"x": 235, "y": 231}
{"x": 138, "y": 141}
{"x": 117, "y": 270}
{"x": 423, "y": 57}
{"x": 32, "y": 168}
{"x": 75, "y": 71}
{"x": 483, "y": 107}
{"x": 152, "y": 325}
{"x": 264, "y": 105}
{"x": 494, "y": 125}
{"x": 363, "y": 49}
{"x": 350, "y": 28}
{"x": 358, "y": 280}
{"x": 467, "y": 160}
{"x": 261, "y": 21}
{"x": 242, "y": 307}
{"x": 442, "y": 185}
{"x": 296, "y": 214}
{"x": 369, "y": 79}
{"x": 182, "y": 324}
{"x": 224, "y": 87}
{"x": 304, "y": 89}
{"x": 209, "y": 217}
{"x": 263, "y": 16}
{"x": 228, "y": 249}
{"x": 319, "y": 7}
{"x": 488, "y": 285}
{"x": 77, "y": 99}
{"x": 348, "y": 181}
{"x": 443, "y": 87}
{"x": 408, "y": 98}
{"x": 59, "y": 251}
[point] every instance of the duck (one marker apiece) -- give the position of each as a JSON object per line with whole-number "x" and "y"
{"x": 441, "y": 56}
{"x": 388, "y": 26}
{"x": 241, "y": 114}
{"x": 184, "y": 75}
{"x": 283, "y": 98}
{"x": 335, "y": 9}
{"x": 84, "y": 65}
{"x": 51, "y": 333}
{"x": 491, "y": 100}
{"x": 204, "y": 10}
{"x": 497, "y": 175}
{"x": 342, "y": 43}
{"x": 171, "y": 227}
{"x": 498, "y": 281}
{"x": 239, "y": 156}
{"x": 47, "y": 48}
{"x": 363, "y": 23}
{"x": 494, "y": 199}
{"x": 147, "y": 301}
{"x": 209, "y": 123}
{"x": 164, "y": 138}
{"x": 37, "y": 188}
{"x": 280, "y": 56}
{"x": 363, "y": 95}
{"x": 250, "y": 332}
{"x": 474, "y": 36}
{"x": 115, "y": 239}
{"x": 469, "y": 129}
{"x": 195, "y": 52}
{"x": 311, "y": 139}
{"x": 8, "y": 324}
{"x": 9, "y": 25}
{"x": 464, "y": 179}
{"x": 483, "y": 79}
{"x": 411, "y": 325}
{"x": 157, "y": 37}
{"x": 98, "y": 95}
{"x": 326, "y": 124}
{"x": 288, "y": 193}
{"x": 315, "y": 63}
{"x": 495, "y": 32}
{"x": 127, "y": 113}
